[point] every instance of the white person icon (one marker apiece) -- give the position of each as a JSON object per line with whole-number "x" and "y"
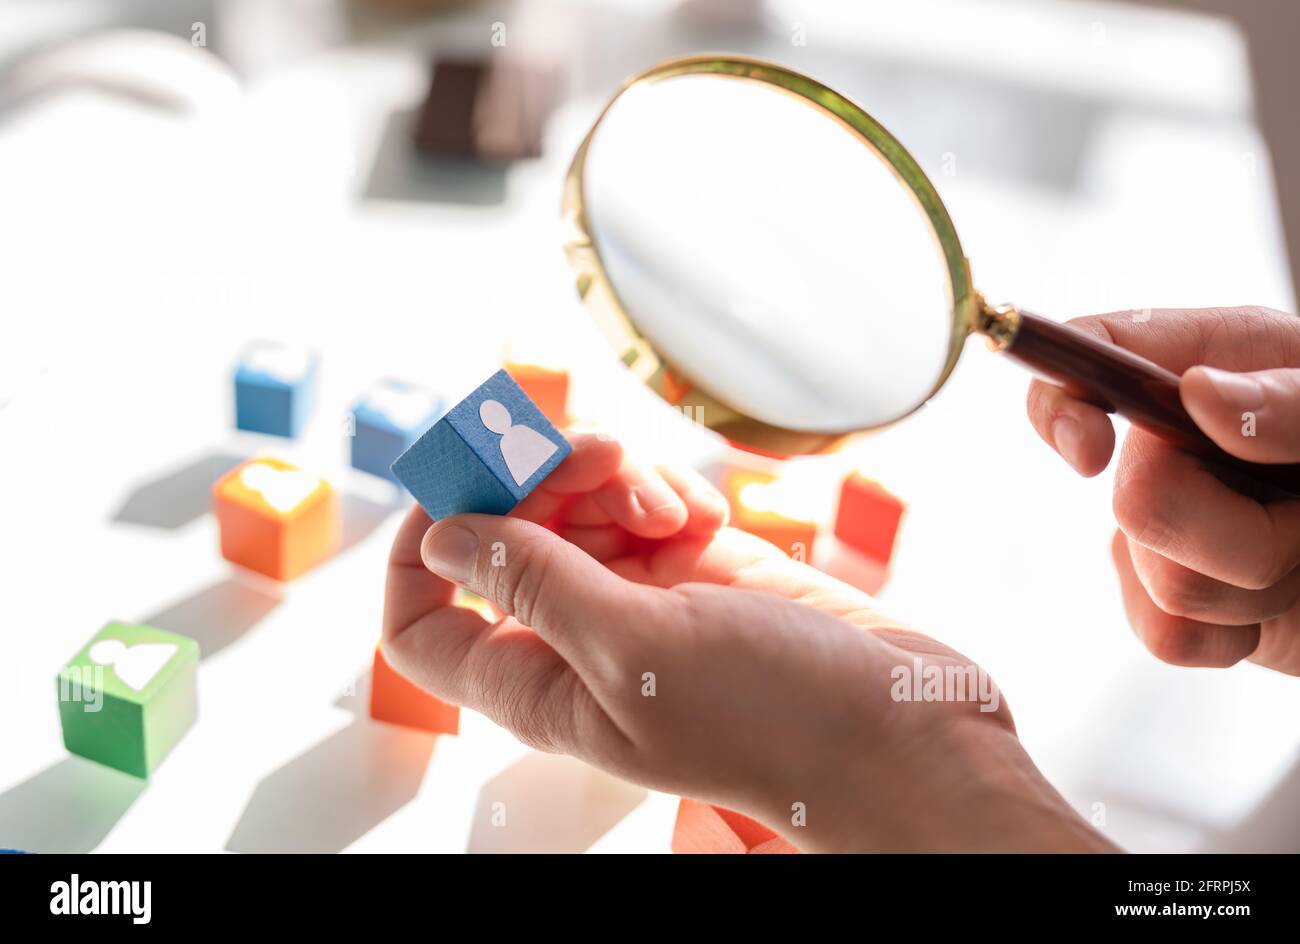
{"x": 524, "y": 448}
{"x": 135, "y": 665}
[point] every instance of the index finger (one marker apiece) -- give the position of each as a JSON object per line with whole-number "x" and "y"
{"x": 411, "y": 590}
{"x": 595, "y": 459}
{"x": 1174, "y": 338}
{"x": 1245, "y": 338}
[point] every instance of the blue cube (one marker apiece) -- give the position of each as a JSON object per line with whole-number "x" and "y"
{"x": 274, "y": 389}
{"x": 485, "y": 456}
{"x": 387, "y": 421}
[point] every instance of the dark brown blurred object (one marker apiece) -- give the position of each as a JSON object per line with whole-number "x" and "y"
{"x": 418, "y": 4}
{"x": 490, "y": 110}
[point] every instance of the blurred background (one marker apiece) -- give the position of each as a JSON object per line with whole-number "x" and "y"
{"x": 178, "y": 177}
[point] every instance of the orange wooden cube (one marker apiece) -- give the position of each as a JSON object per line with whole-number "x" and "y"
{"x": 472, "y": 601}
{"x": 548, "y": 387}
{"x": 397, "y": 700}
{"x": 701, "y": 828}
{"x": 868, "y": 516}
{"x": 275, "y": 518}
{"x": 759, "y": 506}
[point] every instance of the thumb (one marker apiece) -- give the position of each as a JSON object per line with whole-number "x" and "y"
{"x": 1254, "y": 416}
{"x": 575, "y": 603}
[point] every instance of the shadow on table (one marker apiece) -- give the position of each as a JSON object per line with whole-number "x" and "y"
{"x": 399, "y": 173}
{"x": 337, "y": 791}
{"x": 217, "y": 615}
{"x": 1272, "y": 827}
{"x": 357, "y": 697}
{"x": 177, "y": 497}
{"x": 361, "y": 516}
{"x": 68, "y": 807}
{"x": 549, "y": 803}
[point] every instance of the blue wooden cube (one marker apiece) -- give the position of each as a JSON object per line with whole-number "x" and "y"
{"x": 387, "y": 421}
{"x": 274, "y": 388}
{"x": 485, "y": 456}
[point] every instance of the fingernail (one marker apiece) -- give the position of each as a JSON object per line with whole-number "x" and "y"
{"x": 449, "y": 552}
{"x": 653, "y": 496}
{"x": 1239, "y": 391}
{"x": 1067, "y": 436}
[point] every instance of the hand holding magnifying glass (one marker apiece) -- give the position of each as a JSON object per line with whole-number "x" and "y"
{"x": 1209, "y": 576}
{"x": 755, "y": 244}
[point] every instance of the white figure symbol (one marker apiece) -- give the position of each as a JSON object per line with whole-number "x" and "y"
{"x": 135, "y": 665}
{"x": 524, "y": 448}
{"x": 282, "y": 489}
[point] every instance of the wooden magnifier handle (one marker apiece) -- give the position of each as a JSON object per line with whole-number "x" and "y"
{"x": 1119, "y": 381}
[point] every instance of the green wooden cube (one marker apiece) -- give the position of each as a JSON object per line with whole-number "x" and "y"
{"x": 129, "y": 696}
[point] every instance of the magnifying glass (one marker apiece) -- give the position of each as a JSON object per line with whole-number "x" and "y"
{"x": 763, "y": 253}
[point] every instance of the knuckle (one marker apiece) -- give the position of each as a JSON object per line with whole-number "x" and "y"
{"x": 1259, "y": 574}
{"x": 1092, "y": 324}
{"x": 529, "y": 709}
{"x": 1044, "y": 404}
{"x": 1252, "y": 313}
{"x": 1037, "y": 404}
{"x": 476, "y": 688}
{"x": 1290, "y": 594}
{"x": 1268, "y": 566}
{"x": 519, "y": 585}
{"x": 1170, "y": 644}
{"x": 1179, "y": 591}
{"x": 1140, "y": 511}
{"x": 531, "y": 728}
{"x": 1262, "y": 576}
{"x": 1289, "y": 382}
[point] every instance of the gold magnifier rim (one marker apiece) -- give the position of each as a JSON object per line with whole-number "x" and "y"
{"x": 639, "y": 354}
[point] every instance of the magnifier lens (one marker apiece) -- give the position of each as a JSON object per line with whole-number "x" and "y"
{"x": 768, "y": 253}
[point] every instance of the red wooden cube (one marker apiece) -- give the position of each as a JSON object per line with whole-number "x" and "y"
{"x": 868, "y": 516}
{"x": 397, "y": 700}
{"x": 702, "y": 828}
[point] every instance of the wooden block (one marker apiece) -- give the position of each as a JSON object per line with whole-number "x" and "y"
{"x": 387, "y": 420}
{"x": 510, "y": 115}
{"x": 275, "y": 518}
{"x": 761, "y": 506}
{"x": 548, "y": 387}
{"x": 415, "y": 4}
{"x": 842, "y": 562}
{"x": 490, "y": 109}
{"x": 484, "y": 456}
{"x": 702, "y": 828}
{"x": 446, "y": 122}
{"x": 868, "y": 516}
{"x": 274, "y": 388}
{"x": 129, "y": 696}
{"x": 724, "y": 14}
{"x": 397, "y": 700}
